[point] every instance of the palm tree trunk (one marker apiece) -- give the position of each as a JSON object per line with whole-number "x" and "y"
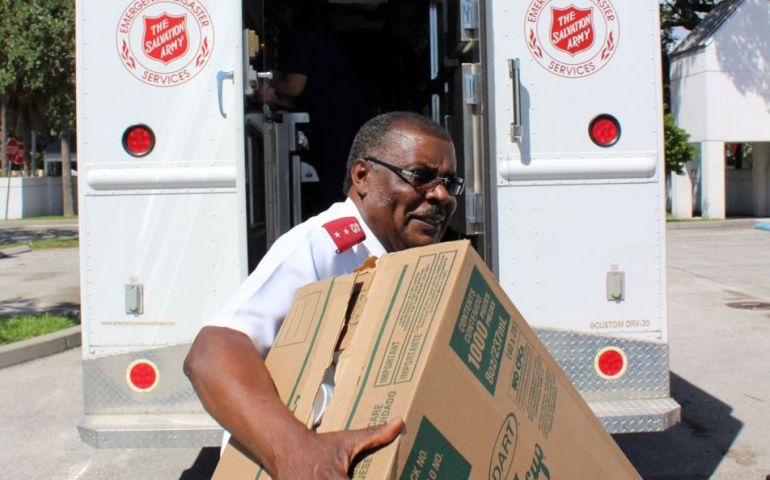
{"x": 66, "y": 174}
{"x": 3, "y": 134}
{"x": 26, "y": 139}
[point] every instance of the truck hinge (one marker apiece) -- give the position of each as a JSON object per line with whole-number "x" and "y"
{"x": 469, "y": 18}
{"x": 471, "y": 90}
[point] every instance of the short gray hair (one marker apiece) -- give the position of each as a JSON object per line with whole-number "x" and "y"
{"x": 374, "y": 134}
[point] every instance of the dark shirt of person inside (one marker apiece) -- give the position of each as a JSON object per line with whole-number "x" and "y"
{"x": 318, "y": 74}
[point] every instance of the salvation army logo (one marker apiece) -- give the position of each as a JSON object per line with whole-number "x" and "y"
{"x": 571, "y": 40}
{"x": 165, "y": 43}
{"x": 572, "y": 29}
{"x": 165, "y": 37}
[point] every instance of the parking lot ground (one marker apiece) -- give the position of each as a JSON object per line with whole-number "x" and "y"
{"x": 42, "y": 405}
{"x": 719, "y": 333}
{"x": 39, "y": 281}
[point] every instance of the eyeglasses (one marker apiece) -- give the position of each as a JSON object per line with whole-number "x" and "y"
{"x": 423, "y": 180}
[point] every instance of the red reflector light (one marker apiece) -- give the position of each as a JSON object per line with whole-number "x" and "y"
{"x": 142, "y": 375}
{"x": 138, "y": 140}
{"x": 611, "y": 363}
{"x": 604, "y": 130}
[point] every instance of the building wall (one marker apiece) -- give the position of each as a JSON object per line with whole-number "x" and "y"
{"x": 31, "y": 196}
{"x": 688, "y": 94}
{"x": 722, "y": 92}
{"x": 740, "y": 199}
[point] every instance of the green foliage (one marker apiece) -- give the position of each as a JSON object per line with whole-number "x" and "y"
{"x": 677, "y": 14}
{"x": 681, "y": 13}
{"x": 46, "y": 243}
{"x": 678, "y": 151}
{"x": 37, "y": 61}
{"x": 16, "y": 328}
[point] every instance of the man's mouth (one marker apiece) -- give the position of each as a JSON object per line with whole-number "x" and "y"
{"x": 430, "y": 218}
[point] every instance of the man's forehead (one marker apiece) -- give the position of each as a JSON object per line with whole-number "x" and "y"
{"x": 406, "y": 139}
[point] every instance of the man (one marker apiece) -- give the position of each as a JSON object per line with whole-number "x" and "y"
{"x": 401, "y": 187}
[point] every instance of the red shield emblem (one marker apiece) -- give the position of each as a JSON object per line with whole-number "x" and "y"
{"x": 165, "y": 37}
{"x": 572, "y": 29}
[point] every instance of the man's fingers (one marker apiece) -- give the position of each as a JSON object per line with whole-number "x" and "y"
{"x": 374, "y": 437}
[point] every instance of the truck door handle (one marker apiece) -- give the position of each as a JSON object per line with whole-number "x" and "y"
{"x": 514, "y": 70}
{"x": 221, "y": 77}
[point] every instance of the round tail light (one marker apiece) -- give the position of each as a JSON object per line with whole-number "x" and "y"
{"x": 138, "y": 140}
{"x": 142, "y": 375}
{"x": 604, "y": 130}
{"x": 611, "y": 363}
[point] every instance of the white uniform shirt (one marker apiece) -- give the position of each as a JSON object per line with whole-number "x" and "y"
{"x": 305, "y": 254}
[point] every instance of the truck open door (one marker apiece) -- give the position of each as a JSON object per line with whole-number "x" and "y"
{"x": 162, "y": 210}
{"x": 578, "y": 194}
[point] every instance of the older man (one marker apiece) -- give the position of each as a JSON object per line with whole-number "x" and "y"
{"x": 401, "y": 187}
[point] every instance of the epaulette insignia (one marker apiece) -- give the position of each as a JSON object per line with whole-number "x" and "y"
{"x": 345, "y": 232}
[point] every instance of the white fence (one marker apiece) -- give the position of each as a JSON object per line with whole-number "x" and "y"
{"x": 22, "y": 197}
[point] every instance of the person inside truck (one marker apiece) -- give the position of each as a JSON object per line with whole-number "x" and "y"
{"x": 401, "y": 188}
{"x": 317, "y": 73}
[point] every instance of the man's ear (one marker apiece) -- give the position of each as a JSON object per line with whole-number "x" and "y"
{"x": 359, "y": 174}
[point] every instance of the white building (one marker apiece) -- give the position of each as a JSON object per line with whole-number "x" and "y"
{"x": 720, "y": 93}
{"x": 52, "y": 157}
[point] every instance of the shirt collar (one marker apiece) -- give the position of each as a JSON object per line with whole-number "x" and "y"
{"x": 372, "y": 243}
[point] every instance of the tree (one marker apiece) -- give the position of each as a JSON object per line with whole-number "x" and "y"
{"x": 53, "y": 84}
{"x": 677, "y": 14}
{"x": 37, "y": 71}
{"x": 6, "y": 80}
{"x": 677, "y": 150}
{"x": 682, "y": 13}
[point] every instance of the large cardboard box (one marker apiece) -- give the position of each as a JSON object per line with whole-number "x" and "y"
{"x": 429, "y": 336}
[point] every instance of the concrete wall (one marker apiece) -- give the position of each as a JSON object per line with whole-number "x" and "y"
{"x": 688, "y": 94}
{"x": 738, "y": 187}
{"x": 761, "y": 179}
{"x": 31, "y": 196}
{"x": 722, "y": 92}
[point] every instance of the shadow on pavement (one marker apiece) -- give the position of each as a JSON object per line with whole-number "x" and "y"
{"x": 21, "y": 235}
{"x": 27, "y": 306}
{"x": 204, "y": 465}
{"x": 691, "y": 450}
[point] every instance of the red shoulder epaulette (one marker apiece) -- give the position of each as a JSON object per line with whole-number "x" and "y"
{"x": 345, "y": 232}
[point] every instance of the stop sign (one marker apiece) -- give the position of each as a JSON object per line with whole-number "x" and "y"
{"x": 15, "y": 151}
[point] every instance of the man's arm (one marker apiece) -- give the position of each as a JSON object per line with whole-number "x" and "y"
{"x": 292, "y": 85}
{"x": 235, "y": 387}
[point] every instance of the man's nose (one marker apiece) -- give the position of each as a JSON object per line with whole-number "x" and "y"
{"x": 440, "y": 194}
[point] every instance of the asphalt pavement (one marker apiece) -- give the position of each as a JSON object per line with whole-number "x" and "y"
{"x": 719, "y": 332}
{"x": 39, "y": 281}
{"x": 719, "y": 327}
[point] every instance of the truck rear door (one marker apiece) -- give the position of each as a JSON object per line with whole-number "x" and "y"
{"x": 580, "y": 223}
{"x": 161, "y": 207}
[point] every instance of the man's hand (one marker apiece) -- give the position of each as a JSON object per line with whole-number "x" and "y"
{"x": 267, "y": 94}
{"x": 235, "y": 387}
{"x": 330, "y": 455}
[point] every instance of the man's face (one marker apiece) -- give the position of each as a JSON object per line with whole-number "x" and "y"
{"x": 401, "y": 215}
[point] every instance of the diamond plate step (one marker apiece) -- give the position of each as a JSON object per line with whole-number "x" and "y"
{"x": 632, "y": 416}
{"x": 150, "y": 430}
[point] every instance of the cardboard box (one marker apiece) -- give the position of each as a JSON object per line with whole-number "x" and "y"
{"x": 432, "y": 338}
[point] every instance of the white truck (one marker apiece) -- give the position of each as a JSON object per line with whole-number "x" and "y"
{"x": 185, "y": 180}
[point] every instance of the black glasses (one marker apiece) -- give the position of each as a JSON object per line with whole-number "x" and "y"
{"x": 423, "y": 180}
